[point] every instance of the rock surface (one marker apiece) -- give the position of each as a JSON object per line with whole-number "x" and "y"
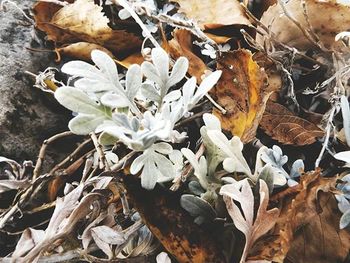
{"x": 27, "y": 115}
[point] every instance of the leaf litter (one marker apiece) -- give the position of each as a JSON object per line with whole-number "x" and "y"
{"x": 207, "y": 131}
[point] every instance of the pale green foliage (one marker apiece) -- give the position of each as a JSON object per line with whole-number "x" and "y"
{"x": 155, "y": 166}
{"x": 105, "y": 103}
{"x": 345, "y": 109}
{"x": 234, "y": 160}
{"x": 270, "y": 163}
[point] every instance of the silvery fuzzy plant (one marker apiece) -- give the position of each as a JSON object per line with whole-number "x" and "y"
{"x": 106, "y": 104}
{"x": 220, "y": 150}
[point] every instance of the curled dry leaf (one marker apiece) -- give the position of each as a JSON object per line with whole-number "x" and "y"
{"x": 214, "y": 13}
{"x": 173, "y": 226}
{"x": 334, "y": 19}
{"x": 244, "y": 218}
{"x": 82, "y": 21}
{"x": 243, "y": 91}
{"x": 181, "y": 45}
{"x": 283, "y": 126}
{"x": 307, "y": 225}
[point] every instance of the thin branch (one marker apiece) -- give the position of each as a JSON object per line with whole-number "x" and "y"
{"x": 8, "y": 215}
{"x": 71, "y": 156}
{"x": 306, "y": 33}
{"x": 329, "y": 128}
{"x": 42, "y": 151}
{"x": 103, "y": 161}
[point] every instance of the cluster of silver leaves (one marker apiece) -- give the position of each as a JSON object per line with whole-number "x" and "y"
{"x": 106, "y": 104}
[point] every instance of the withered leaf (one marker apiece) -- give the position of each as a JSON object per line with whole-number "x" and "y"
{"x": 244, "y": 218}
{"x": 80, "y": 50}
{"x": 243, "y": 91}
{"x": 214, "y": 13}
{"x": 173, "y": 226}
{"x": 82, "y": 21}
{"x": 308, "y": 219}
{"x": 334, "y": 19}
{"x": 181, "y": 45}
{"x": 283, "y": 126}
{"x": 135, "y": 58}
{"x": 7, "y": 185}
{"x": 29, "y": 239}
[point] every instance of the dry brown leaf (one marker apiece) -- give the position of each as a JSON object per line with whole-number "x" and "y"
{"x": 80, "y": 50}
{"x": 335, "y": 18}
{"x": 321, "y": 241}
{"x": 173, "y": 226}
{"x": 308, "y": 219}
{"x": 214, "y": 13}
{"x": 135, "y": 58}
{"x": 243, "y": 91}
{"x": 181, "y": 45}
{"x": 283, "y": 126}
{"x": 82, "y": 21}
{"x": 243, "y": 216}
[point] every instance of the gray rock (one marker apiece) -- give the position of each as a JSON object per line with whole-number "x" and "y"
{"x": 27, "y": 115}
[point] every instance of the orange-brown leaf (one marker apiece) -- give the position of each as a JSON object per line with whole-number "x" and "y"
{"x": 81, "y": 50}
{"x": 243, "y": 91}
{"x": 283, "y": 126}
{"x": 309, "y": 218}
{"x": 181, "y": 45}
{"x": 82, "y": 21}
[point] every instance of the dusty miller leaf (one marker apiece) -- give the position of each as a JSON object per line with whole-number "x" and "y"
{"x": 234, "y": 161}
{"x": 346, "y": 118}
{"x": 198, "y": 208}
{"x": 154, "y": 165}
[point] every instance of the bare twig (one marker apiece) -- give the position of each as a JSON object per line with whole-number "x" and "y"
{"x": 189, "y": 25}
{"x": 103, "y": 161}
{"x": 329, "y": 128}
{"x": 191, "y": 118}
{"x": 42, "y": 151}
{"x": 122, "y": 162}
{"x": 306, "y": 33}
{"x": 71, "y": 156}
{"x": 8, "y": 215}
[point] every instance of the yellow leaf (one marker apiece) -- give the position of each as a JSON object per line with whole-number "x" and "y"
{"x": 243, "y": 91}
